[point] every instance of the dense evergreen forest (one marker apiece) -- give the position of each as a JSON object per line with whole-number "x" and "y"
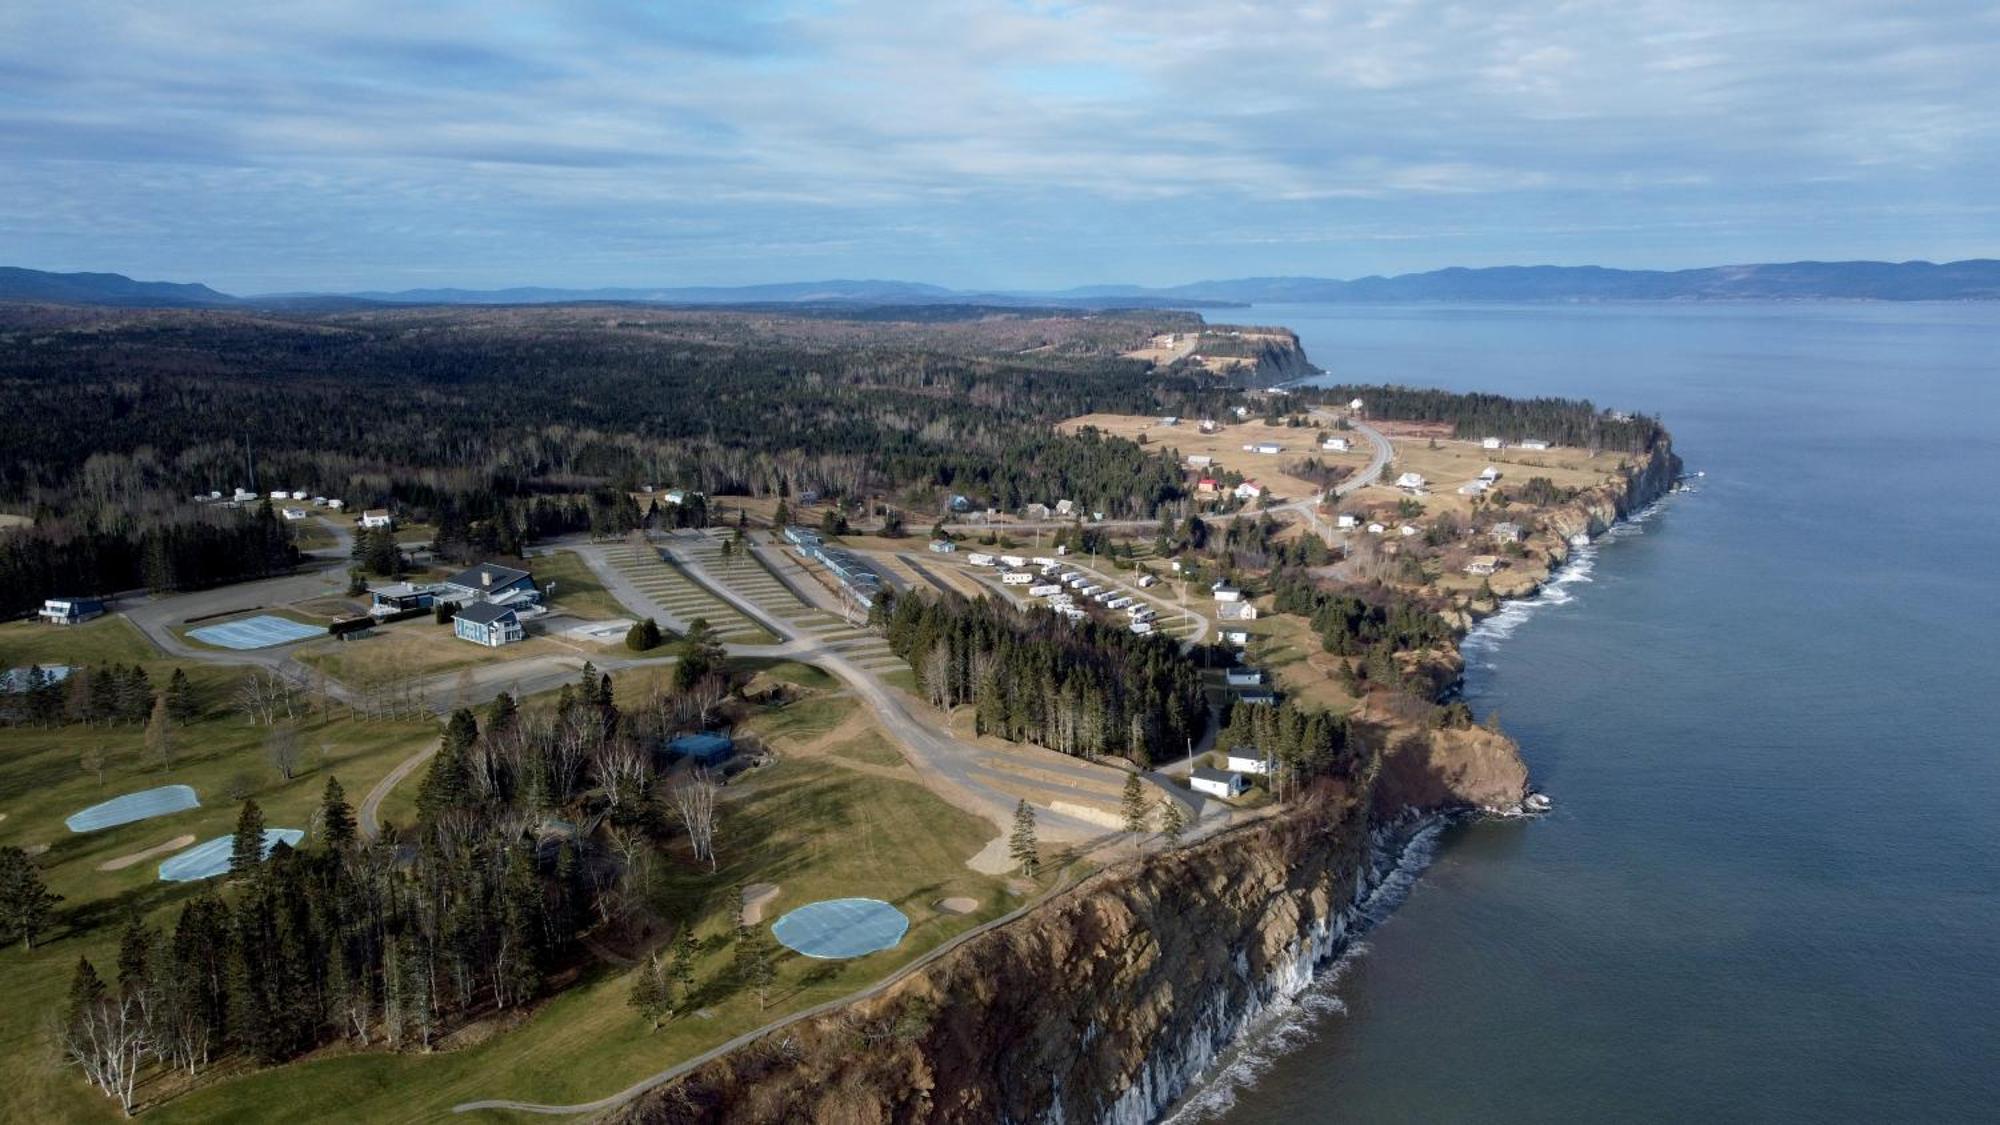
{"x": 1081, "y": 688}
{"x": 180, "y": 551}
{"x": 505, "y": 425}
{"x": 1564, "y": 421}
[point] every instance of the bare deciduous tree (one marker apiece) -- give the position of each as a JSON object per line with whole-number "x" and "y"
{"x": 283, "y": 748}
{"x": 108, "y": 1041}
{"x": 694, "y": 799}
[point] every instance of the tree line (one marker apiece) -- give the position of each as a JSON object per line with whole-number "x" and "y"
{"x": 1476, "y": 415}
{"x": 186, "y": 550}
{"x": 1080, "y": 688}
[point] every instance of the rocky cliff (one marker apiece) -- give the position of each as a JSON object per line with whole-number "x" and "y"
{"x": 1104, "y": 1004}
{"x": 1645, "y": 480}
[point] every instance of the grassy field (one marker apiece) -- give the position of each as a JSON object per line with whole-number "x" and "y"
{"x": 1226, "y": 447}
{"x": 418, "y": 647}
{"x": 1285, "y": 646}
{"x": 816, "y": 830}
{"x": 578, "y": 592}
{"x": 43, "y": 779}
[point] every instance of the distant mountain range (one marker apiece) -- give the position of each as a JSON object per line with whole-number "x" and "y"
{"x": 1971, "y": 280}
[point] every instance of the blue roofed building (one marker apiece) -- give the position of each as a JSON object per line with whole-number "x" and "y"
{"x": 487, "y": 624}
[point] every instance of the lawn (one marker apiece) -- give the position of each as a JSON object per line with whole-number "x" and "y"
{"x": 418, "y": 647}
{"x": 578, "y": 592}
{"x": 1285, "y": 646}
{"x": 816, "y": 830}
{"x": 42, "y": 780}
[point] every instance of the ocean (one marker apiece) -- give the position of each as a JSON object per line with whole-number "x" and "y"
{"x": 1769, "y": 714}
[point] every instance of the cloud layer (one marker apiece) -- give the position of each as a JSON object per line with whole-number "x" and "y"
{"x": 983, "y": 142}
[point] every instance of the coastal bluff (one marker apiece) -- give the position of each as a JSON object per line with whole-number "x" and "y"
{"x": 1105, "y": 1003}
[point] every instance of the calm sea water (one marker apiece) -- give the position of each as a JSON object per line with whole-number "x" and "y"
{"x": 1770, "y": 717}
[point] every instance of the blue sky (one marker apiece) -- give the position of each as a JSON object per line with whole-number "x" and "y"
{"x": 984, "y": 143}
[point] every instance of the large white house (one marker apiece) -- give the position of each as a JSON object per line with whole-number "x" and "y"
{"x": 1411, "y": 481}
{"x": 377, "y": 518}
{"x": 1335, "y": 445}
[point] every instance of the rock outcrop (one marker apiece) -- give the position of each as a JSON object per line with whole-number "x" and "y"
{"x": 1106, "y": 1003}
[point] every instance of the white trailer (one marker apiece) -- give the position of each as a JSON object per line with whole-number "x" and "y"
{"x": 1043, "y": 561}
{"x": 1146, "y": 580}
{"x": 1076, "y": 581}
{"x": 1017, "y": 578}
{"x": 1119, "y": 602}
{"x": 1141, "y": 628}
{"x": 1045, "y": 590}
{"x": 1013, "y": 560}
{"x": 981, "y": 560}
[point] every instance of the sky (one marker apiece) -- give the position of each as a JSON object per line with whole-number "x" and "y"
{"x": 984, "y": 143}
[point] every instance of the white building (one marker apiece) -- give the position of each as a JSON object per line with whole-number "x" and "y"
{"x": 1506, "y": 533}
{"x": 1493, "y": 443}
{"x": 1411, "y": 481}
{"x": 1483, "y": 564}
{"x": 1065, "y": 507}
{"x": 1246, "y": 759}
{"x": 1336, "y": 445}
{"x": 1489, "y": 474}
{"x": 1236, "y": 636}
{"x": 294, "y": 513}
{"x": 1348, "y": 521}
{"x": 1249, "y": 490}
{"x": 377, "y": 518}
{"x": 1472, "y": 488}
{"x": 1355, "y": 406}
{"x": 1406, "y": 531}
{"x": 1376, "y": 529}
{"x": 1228, "y": 594}
{"x": 1217, "y": 783}
{"x": 1534, "y": 443}
{"x": 1200, "y": 461}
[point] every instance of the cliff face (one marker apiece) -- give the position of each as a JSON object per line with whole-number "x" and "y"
{"x": 1104, "y": 1004}
{"x": 1645, "y": 481}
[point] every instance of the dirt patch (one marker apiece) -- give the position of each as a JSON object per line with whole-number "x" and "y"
{"x": 756, "y": 897}
{"x": 127, "y": 860}
{"x": 993, "y": 858}
{"x": 957, "y": 904}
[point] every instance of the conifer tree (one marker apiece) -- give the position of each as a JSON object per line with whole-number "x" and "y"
{"x": 1173, "y": 822}
{"x": 681, "y": 970}
{"x": 649, "y": 992}
{"x": 26, "y": 903}
{"x": 1138, "y": 811}
{"x": 1021, "y": 845}
{"x": 135, "y": 948}
{"x": 182, "y": 706}
{"x": 246, "y": 850}
{"x": 336, "y": 819}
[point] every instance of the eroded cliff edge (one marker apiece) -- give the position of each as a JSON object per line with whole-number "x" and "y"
{"x": 1105, "y": 1003}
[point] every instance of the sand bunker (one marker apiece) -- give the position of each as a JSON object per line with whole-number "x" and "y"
{"x": 957, "y": 904}
{"x": 125, "y": 861}
{"x": 756, "y": 897}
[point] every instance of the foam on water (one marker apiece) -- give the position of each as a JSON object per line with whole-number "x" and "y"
{"x": 1293, "y": 1016}
{"x": 1227, "y": 1051}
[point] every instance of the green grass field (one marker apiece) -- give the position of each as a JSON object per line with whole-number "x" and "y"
{"x": 578, "y": 592}
{"x": 816, "y": 830}
{"x": 43, "y": 780}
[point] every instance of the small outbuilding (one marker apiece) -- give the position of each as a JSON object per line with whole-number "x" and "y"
{"x": 1217, "y": 783}
{"x": 70, "y": 611}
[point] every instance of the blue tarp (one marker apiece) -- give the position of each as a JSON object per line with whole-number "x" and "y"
{"x": 133, "y": 806}
{"x": 842, "y": 927}
{"x": 707, "y": 749}
{"x": 211, "y": 857}
{"x": 261, "y": 631}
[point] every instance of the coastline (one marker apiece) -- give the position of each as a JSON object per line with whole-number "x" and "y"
{"x": 1179, "y": 970}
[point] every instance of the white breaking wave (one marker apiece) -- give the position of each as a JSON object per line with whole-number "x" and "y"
{"x": 1297, "y": 997}
{"x": 1578, "y": 570}
{"x": 1227, "y": 1054}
